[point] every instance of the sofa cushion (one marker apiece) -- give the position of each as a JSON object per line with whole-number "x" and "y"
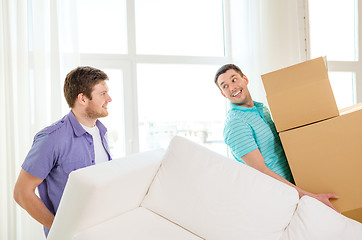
{"x": 314, "y": 220}
{"x": 219, "y": 198}
{"x": 100, "y": 192}
{"x": 138, "y": 224}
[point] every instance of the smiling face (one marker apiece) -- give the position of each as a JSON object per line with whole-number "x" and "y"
{"x": 233, "y": 86}
{"x": 97, "y": 107}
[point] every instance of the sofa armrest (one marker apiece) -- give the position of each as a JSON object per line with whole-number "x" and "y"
{"x": 101, "y": 192}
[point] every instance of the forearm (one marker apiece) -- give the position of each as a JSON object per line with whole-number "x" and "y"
{"x": 35, "y": 207}
{"x": 323, "y": 197}
{"x": 301, "y": 192}
{"x": 255, "y": 159}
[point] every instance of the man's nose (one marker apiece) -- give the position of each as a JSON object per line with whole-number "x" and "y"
{"x": 109, "y": 99}
{"x": 233, "y": 86}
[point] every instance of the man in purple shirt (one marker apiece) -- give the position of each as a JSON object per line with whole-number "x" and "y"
{"x": 76, "y": 141}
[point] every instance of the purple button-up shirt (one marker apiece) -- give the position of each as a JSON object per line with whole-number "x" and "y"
{"x": 58, "y": 150}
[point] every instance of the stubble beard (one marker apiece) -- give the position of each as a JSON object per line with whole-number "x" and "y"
{"x": 94, "y": 114}
{"x": 245, "y": 100}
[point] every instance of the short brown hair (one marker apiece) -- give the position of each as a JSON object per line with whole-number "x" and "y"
{"x": 81, "y": 80}
{"x": 225, "y": 68}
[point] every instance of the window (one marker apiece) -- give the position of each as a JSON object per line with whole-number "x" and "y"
{"x": 93, "y": 16}
{"x": 333, "y": 29}
{"x": 161, "y": 66}
{"x": 343, "y": 88}
{"x": 115, "y": 120}
{"x": 187, "y": 27}
{"x": 333, "y": 32}
{"x": 179, "y": 100}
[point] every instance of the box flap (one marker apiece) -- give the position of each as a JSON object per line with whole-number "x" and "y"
{"x": 300, "y": 94}
{"x": 297, "y": 75}
{"x": 303, "y": 108}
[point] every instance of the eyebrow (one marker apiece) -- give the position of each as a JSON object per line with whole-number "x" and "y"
{"x": 232, "y": 76}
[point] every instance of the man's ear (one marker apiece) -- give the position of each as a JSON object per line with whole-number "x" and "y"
{"x": 222, "y": 93}
{"x": 246, "y": 79}
{"x": 82, "y": 99}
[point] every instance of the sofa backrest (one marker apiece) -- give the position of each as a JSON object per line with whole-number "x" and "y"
{"x": 215, "y": 197}
{"x": 98, "y": 193}
{"x": 315, "y": 220}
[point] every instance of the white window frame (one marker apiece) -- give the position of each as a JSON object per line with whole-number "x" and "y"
{"x": 341, "y": 66}
{"x": 128, "y": 64}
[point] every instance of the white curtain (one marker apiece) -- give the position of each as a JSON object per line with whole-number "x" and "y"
{"x": 38, "y": 46}
{"x": 266, "y": 35}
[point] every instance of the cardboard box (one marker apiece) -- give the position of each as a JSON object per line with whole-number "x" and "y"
{"x": 327, "y": 157}
{"x": 300, "y": 94}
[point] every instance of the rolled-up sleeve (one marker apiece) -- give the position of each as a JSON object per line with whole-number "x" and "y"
{"x": 238, "y": 135}
{"x": 40, "y": 159}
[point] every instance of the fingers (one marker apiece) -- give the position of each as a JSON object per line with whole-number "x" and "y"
{"x": 332, "y": 195}
{"x": 329, "y": 204}
{"x": 324, "y": 198}
{"x": 328, "y": 195}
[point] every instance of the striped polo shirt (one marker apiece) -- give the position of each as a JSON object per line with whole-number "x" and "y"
{"x": 247, "y": 129}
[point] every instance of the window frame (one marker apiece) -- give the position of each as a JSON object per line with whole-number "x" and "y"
{"x": 128, "y": 64}
{"x": 340, "y": 66}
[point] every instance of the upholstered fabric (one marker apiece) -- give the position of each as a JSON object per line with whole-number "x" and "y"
{"x": 219, "y": 198}
{"x": 98, "y": 193}
{"x": 138, "y": 224}
{"x": 190, "y": 193}
{"x": 314, "y": 220}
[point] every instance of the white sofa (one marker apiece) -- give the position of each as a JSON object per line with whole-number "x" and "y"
{"x": 189, "y": 192}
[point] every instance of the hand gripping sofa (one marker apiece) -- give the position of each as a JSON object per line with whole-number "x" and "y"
{"x": 189, "y": 192}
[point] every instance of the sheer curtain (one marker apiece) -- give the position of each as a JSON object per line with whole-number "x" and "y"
{"x": 38, "y": 46}
{"x": 266, "y": 35}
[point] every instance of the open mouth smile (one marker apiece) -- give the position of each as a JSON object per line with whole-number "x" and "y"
{"x": 237, "y": 93}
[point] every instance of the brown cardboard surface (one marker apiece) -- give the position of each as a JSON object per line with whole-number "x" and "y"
{"x": 300, "y": 94}
{"x": 355, "y": 214}
{"x": 327, "y": 157}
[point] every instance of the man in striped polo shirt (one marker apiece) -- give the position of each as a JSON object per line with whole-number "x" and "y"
{"x": 250, "y": 132}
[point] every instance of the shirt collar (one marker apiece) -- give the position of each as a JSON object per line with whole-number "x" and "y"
{"x": 102, "y": 128}
{"x": 79, "y": 130}
{"x": 257, "y": 106}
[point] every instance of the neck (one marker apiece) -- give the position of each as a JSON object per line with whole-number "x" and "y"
{"x": 84, "y": 119}
{"x": 248, "y": 104}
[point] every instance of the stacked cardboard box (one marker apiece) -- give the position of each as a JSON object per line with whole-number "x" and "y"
{"x": 323, "y": 145}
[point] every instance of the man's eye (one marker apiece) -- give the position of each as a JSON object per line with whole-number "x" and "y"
{"x": 234, "y": 80}
{"x": 225, "y": 86}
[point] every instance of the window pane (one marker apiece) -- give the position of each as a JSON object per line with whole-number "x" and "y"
{"x": 183, "y": 27}
{"x": 343, "y": 88}
{"x": 333, "y": 31}
{"x": 115, "y": 121}
{"x": 179, "y": 100}
{"x": 102, "y": 26}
